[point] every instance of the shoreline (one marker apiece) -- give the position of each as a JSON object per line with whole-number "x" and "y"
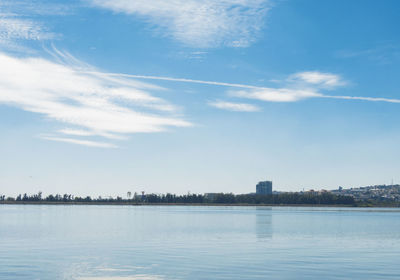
{"x": 361, "y": 205}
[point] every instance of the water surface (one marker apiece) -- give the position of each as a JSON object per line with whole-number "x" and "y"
{"x": 197, "y": 242}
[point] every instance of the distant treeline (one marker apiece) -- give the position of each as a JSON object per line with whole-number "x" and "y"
{"x": 217, "y": 198}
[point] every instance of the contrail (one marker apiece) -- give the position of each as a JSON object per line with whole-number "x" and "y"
{"x": 192, "y": 81}
{"x": 373, "y": 99}
{"x": 178, "y": 80}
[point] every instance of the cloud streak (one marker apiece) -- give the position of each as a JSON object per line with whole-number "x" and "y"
{"x": 13, "y": 29}
{"x": 373, "y": 99}
{"x": 299, "y": 86}
{"x": 320, "y": 79}
{"x": 80, "y": 142}
{"x": 207, "y": 23}
{"x": 18, "y": 22}
{"x": 183, "y": 80}
{"x": 90, "y": 104}
{"x": 236, "y": 107}
{"x": 276, "y": 95}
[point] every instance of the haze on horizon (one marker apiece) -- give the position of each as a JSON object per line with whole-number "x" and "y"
{"x": 101, "y": 97}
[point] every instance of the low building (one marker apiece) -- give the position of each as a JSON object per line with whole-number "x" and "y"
{"x": 210, "y": 197}
{"x": 264, "y": 187}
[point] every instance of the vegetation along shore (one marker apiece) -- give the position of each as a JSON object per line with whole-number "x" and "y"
{"x": 281, "y": 199}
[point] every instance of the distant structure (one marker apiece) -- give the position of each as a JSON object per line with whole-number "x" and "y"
{"x": 210, "y": 197}
{"x": 264, "y": 187}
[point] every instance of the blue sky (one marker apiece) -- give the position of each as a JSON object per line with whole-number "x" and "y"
{"x": 102, "y": 97}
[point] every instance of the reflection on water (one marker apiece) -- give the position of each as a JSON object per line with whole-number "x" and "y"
{"x": 264, "y": 228}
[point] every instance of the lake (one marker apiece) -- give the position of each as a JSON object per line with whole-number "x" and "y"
{"x": 87, "y": 242}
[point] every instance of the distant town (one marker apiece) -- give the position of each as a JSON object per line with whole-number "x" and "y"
{"x": 379, "y": 195}
{"x": 389, "y": 193}
{"x": 376, "y": 193}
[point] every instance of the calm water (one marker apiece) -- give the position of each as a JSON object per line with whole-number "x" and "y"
{"x": 198, "y": 242}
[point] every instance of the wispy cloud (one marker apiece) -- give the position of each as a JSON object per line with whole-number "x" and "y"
{"x": 183, "y": 80}
{"x": 276, "y": 95}
{"x": 373, "y": 99}
{"x": 231, "y": 106}
{"x": 19, "y": 22}
{"x": 14, "y": 29}
{"x": 80, "y": 142}
{"x": 95, "y": 104}
{"x": 80, "y": 132}
{"x": 320, "y": 79}
{"x": 299, "y": 86}
{"x": 29, "y": 8}
{"x": 304, "y": 85}
{"x": 203, "y": 24}
{"x": 91, "y": 103}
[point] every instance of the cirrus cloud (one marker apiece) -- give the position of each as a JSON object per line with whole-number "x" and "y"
{"x": 276, "y": 95}
{"x": 88, "y": 143}
{"x": 298, "y": 86}
{"x": 14, "y": 30}
{"x": 207, "y": 23}
{"x": 231, "y": 106}
{"x": 19, "y": 23}
{"x": 93, "y": 104}
{"x": 316, "y": 78}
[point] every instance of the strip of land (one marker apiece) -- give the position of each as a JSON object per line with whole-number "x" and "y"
{"x": 324, "y": 199}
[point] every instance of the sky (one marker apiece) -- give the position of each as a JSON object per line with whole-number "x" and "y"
{"x": 102, "y": 97}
